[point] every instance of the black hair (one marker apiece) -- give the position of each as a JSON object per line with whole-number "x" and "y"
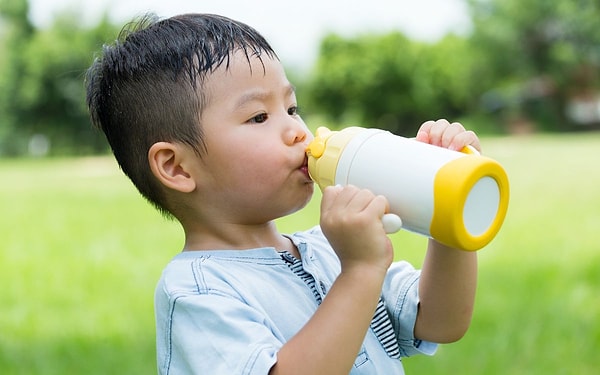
{"x": 148, "y": 86}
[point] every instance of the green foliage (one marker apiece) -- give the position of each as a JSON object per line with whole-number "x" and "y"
{"x": 524, "y": 63}
{"x": 43, "y": 72}
{"x": 16, "y": 11}
{"x": 527, "y": 65}
{"x": 52, "y": 97}
{"x": 82, "y": 251}
{"x": 388, "y": 81}
{"x": 545, "y": 36}
{"x": 15, "y": 30}
{"x": 540, "y": 55}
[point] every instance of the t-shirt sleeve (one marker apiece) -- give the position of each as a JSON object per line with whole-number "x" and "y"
{"x": 401, "y": 296}
{"x": 213, "y": 334}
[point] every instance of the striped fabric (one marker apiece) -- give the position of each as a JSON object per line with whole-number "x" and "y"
{"x": 295, "y": 265}
{"x": 380, "y": 324}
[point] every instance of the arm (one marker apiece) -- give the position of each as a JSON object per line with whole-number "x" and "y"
{"x": 446, "y": 293}
{"x": 330, "y": 341}
{"x": 449, "y": 276}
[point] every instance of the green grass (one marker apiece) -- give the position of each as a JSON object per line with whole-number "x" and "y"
{"x": 81, "y": 253}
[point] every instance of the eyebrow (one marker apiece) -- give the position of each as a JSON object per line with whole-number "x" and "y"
{"x": 260, "y": 95}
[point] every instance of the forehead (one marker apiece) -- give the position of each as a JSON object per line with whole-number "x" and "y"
{"x": 242, "y": 73}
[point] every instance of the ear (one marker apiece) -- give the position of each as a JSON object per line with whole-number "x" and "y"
{"x": 167, "y": 161}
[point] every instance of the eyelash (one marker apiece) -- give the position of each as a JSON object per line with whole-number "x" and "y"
{"x": 295, "y": 109}
{"x": 262, "y": 117}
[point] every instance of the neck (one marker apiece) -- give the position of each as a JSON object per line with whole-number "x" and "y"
{"x": 234, "y": 236}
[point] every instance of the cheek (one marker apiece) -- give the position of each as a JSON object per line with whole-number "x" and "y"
{"x": 251, "y": 165}
{"x": 259, "y": 167}
{"x": 242, "y": 158}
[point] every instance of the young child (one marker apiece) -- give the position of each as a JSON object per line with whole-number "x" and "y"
{"x": 201, "y": 117}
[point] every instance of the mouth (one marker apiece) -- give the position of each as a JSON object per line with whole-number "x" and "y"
{"x": 304, "y": 168}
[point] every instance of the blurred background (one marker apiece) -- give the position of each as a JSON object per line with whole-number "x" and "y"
{"x": 80, "y": 251}
{"x": 498, "y": 66}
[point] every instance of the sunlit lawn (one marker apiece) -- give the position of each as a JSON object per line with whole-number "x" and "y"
{"x": 81, "y": 253}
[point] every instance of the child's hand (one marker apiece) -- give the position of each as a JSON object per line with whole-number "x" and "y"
{"x": 351, "y": 221}
{"x": 452, "y": 136}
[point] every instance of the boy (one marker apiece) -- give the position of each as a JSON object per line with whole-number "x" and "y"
{"x": 201, "y": 117}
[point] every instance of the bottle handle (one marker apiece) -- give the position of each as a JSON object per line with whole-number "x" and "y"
{"x": 391, "y": 223}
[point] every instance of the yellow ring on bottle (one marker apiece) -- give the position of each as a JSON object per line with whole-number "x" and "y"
{"x": 448, "y": 222}
{"x": 327, "y": 146}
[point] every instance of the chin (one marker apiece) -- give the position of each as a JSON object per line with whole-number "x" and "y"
{"x": 309, "y": 193}
{"x": 311, "y": 190}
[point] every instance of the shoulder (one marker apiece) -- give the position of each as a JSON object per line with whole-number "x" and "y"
{"x": 214, "y": 272}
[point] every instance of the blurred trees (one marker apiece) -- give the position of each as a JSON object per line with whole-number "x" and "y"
{"x": 42, "y": 98}
{"x": 526, "y": 65}
{"x": 391, "y": 82}
{"x": 542, "y": 58}
{"x": 15, "y": 31}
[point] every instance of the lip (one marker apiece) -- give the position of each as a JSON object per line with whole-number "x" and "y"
{"x": 304, "y": 168}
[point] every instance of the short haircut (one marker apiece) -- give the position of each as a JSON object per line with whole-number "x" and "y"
{"x": 148, "y": 86}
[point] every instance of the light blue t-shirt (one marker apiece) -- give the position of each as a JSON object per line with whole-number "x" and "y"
{"x": 229, "y": 311}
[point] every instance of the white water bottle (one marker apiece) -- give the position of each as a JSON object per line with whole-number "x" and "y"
{"x": 458, "y": 198}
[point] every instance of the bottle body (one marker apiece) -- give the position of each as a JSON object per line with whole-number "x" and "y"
{"x": 457, "y": 198}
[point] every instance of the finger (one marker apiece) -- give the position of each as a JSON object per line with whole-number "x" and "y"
{"x": 377, "y": 206}
{"x": 344, "y": 198}
{"x": 362, "y": 200}
{"x": 466, "y": 138}
{"x": 450, "y": 133}
{"x": 330, "y": 194}
{"x": 422, "y": 136}
{"x": 423, "y": 132}
{"x": 436, "y": 131}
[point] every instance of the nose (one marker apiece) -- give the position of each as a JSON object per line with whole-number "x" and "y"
{"x": 297, "y": 133}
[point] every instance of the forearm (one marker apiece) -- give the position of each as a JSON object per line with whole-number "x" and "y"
{"x": 446, "y": 293}
{"x": 331, "y": 339}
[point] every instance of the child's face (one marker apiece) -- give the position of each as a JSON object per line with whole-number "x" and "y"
{"x": 255, "y": 166}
